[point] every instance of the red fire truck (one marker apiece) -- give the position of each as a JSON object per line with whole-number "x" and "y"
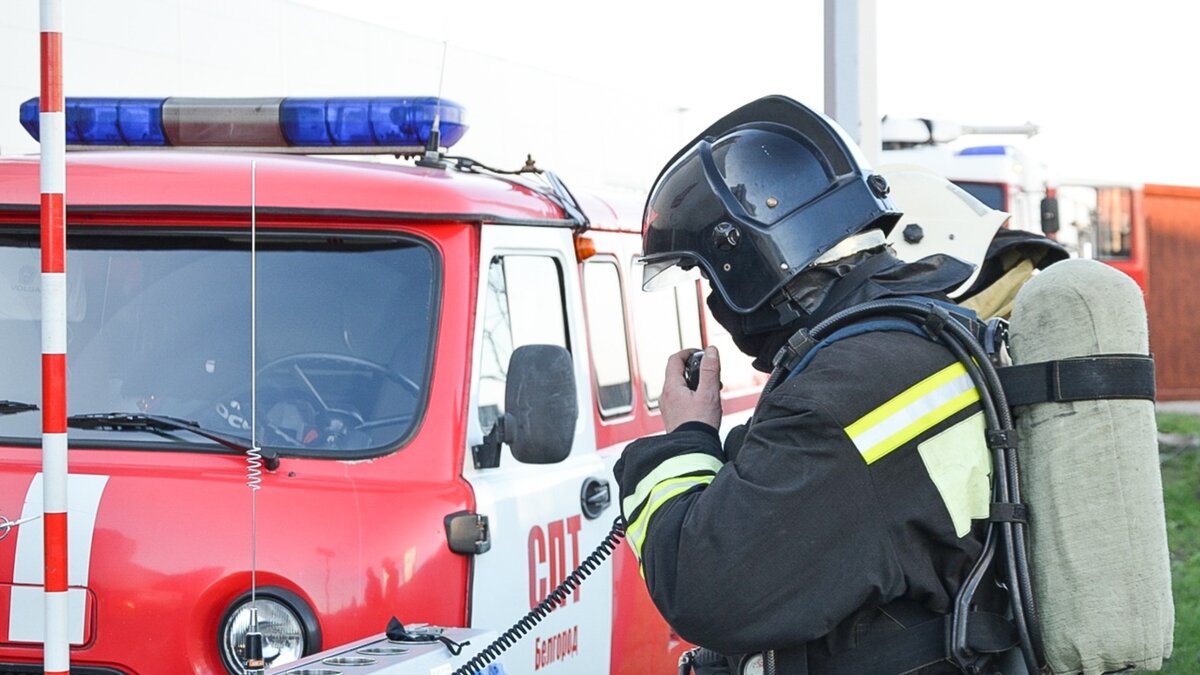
{"x": 358, "y": 320}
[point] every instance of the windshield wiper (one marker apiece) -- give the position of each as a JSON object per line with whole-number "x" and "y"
{"x": 122, "y": 421}
{"x": 12, "y": 407}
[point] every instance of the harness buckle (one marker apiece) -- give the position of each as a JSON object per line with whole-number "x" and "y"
{"x": 799, "y": 344}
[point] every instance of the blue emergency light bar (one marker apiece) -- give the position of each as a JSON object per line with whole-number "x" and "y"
{"x": 400, "y": 124}
{"x": 984, "y": 150}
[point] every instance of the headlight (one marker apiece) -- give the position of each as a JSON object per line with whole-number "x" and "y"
{"x": 284, "y": 635}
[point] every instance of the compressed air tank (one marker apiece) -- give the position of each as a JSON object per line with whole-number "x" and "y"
{"x": 1090, "y": 475}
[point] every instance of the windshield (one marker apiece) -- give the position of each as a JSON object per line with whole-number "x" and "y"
{"x": 993, "y": 195}
{"x": 161, "y": 324}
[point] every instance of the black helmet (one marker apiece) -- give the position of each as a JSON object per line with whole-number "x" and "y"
{"x": 760, "y": 196}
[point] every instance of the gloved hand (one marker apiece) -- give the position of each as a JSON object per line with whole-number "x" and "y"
{"x": 679, "y": 404}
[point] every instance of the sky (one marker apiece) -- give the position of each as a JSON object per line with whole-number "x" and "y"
{"x": 605, "y": 93}
{"x": 1111, "y": 84}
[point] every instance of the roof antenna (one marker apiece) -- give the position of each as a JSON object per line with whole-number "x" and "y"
{"x": 433, "y": 156}
{"x": 255, "y": 663}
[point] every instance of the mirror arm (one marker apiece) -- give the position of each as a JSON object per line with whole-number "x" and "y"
{"x": 487, "y": 454}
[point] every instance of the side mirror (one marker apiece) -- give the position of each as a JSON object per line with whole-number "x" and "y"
{"x": 1050, "y": 215}
{"x": 540, "y": 409}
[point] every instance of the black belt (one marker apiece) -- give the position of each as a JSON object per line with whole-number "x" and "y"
{"x": 901, "y": 651}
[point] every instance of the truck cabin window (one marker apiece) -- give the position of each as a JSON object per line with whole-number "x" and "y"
{"x": 524, "y": 305}
{"x": 1102, "y": 216}
{"x": 608, "y": 337}
{"x": 160, "y": 325}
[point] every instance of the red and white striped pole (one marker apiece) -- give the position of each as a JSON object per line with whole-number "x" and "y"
{"x": 53, "y": 137}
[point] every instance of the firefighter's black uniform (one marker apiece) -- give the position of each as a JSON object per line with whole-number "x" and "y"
{"x": 845, "y": 507}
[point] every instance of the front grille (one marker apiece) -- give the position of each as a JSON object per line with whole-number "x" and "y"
{"x": 17, "y": 669}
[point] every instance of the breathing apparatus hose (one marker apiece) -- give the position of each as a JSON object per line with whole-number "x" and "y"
{"x": 553, "y": 601}
{"x": 1004, "y": 492}
{"x": 774, "y": 379}
{"x": 940, "y": 324}
{"x": 1016, "y": 535}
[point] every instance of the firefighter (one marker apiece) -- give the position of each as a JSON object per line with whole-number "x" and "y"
{"x": 833, "y": 531}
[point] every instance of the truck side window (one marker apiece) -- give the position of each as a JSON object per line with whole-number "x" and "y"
{"x": 608, "y": 337}
{"x": 737, "y": 372}
{"x": 667, "y": 321}
{"x": 524, "y": 306}
{"x": 1103, "y": 216}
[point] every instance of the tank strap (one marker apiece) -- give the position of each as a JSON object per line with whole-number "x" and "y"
{"x": 1085, "y": 378}
{"x": 921, "y": 645}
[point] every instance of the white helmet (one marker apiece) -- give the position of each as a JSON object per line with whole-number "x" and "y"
{"x": 939, "y": 217}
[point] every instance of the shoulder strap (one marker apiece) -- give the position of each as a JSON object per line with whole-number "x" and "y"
{"x": 887, "y": 324}
{"x": 800, "y": 349}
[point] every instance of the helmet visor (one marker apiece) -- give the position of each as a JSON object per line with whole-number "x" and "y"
{"x": 694, "y": 199}
{"x": 751, "y": 209}
{"x": 664, "y": 273}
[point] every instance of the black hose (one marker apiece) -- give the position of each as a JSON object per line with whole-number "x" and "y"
{"x": 1016, "y": 532}
{"x": 1004, "y": 485}
{"x": 962, "y": 601}
{"x": 777, "y": 375}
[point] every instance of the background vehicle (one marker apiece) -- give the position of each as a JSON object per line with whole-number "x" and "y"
{"x": 388, "y": 299}
{"x": 1150, "y": 232}
{"x": 1092, "y": 219}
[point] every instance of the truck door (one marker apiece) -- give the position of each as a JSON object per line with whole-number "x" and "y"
{"x": 529, "y": 294}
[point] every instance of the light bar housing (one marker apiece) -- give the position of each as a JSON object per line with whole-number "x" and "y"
{"x": 392, "y": 125}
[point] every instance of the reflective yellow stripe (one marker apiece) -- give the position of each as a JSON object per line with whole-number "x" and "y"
{"x": 912, "y": 412}
{"x": 671, "y": 468}
{"x": 924, "y": 423}
{"x": 659, "y": 495}
{"x": 905, "y": 398}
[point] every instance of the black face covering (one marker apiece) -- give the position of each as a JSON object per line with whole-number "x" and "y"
{"x": 820, "y": 292}
{"x": 753, "y": 344}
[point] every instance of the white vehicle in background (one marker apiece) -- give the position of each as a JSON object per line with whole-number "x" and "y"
{"x": 1092, "y": 219}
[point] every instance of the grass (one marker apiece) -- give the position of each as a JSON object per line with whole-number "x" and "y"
{"x": 1181, "y": 494}
{"x": 1179, "y": 423}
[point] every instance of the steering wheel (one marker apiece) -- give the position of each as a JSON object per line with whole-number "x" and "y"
{"x": 337, "y": 423}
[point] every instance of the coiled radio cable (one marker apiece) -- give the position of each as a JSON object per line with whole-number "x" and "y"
{"x": 556, "y": 599}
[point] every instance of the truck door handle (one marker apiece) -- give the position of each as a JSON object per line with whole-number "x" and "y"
{"x": 594, "y": 497}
